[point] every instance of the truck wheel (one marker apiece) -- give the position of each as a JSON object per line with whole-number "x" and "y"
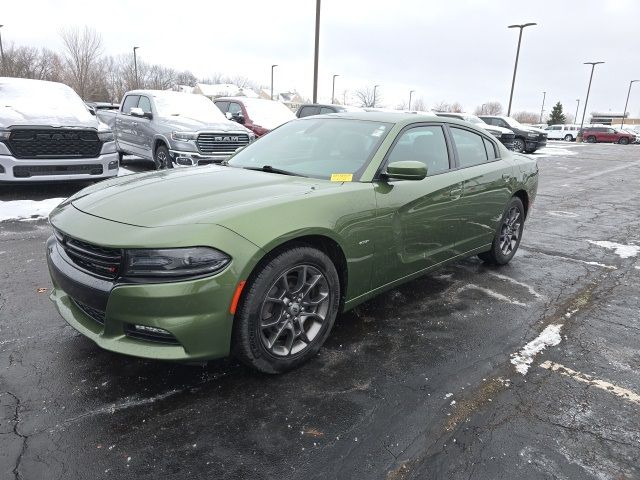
{"x": 507, "y": 239}
{"x": 623, "y": 141}
{"x": 591, "y": 139}
{"x": 568, "y": 138}
{"x": 162, "y": 158}
{"x": 287, "y": 310}
{"x": 518, "y": 145}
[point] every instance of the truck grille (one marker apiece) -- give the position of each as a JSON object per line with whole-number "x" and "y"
{"x": 26, "y": 171}
{"x": 99, "y": 261}
{"x": 221, "y": 143}
{"x": 54, "y": 143}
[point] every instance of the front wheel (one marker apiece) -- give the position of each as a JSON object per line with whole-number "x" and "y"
{"x": 591, "y": 139}
{"x": 287, "y": 310}
{"x": 623, "y": 141}
{"x": 507, "y": 239}
{"x": 568, "y": 138}
{"x": 518, "y": 145}
{"x": 162, "y": 158}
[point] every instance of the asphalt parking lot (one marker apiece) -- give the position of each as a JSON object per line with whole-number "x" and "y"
{"x": 525, "y": 371}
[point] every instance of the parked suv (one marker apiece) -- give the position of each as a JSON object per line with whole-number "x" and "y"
{"x": 562, "y": 132}
{"x": 505, "y": 135}
{"x": 607, "y": 134}
{"x": 310, "y": 109}
{"x": 258, "y": 115}
{"x": 528, "y": 139}
{"x": 174, "y": 128}
{"x": 47, "y": 133}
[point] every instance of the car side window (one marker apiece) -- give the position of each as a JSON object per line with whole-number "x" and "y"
{"x": 326, "y": 110}
{"x": 145, "y": 104}
{"x": 130, "y": 101}
{"x": 223, "y": 106}
{"x": 491, "y": 149}
{"x": 502, "y": 123}
{"x": 423, "y": 144}
{"x": 235, "y": 108}
{"x": 307, "y": 111}
{"x": 470, "y": 146}
{"x": 611, "y": 130}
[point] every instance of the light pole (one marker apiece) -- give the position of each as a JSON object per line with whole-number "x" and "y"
{"x": 333, "y": 89}
{"x": 1, "y": 51}
{"x": 586, "y": 100}
{"x": 272, "y": 67}
{"x": 515, "y": 68}
{"x": 482, "y": 109}
{"x": 544, "y": 96}
{"x": 410, "y": 93}
{"x": 375, "y": 87}
{"x": 315, "y": 58}
{"x": 135, "y": 65}
{"x": 575, "y": 118}
{"x": 624, "y": 112}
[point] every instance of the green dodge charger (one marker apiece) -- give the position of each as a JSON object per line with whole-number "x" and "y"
{"x": 257, "y": 257}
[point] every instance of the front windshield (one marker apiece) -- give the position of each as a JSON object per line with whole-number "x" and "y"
{"x": 474, "y": 119}
{"x": 513, "y": 123}
{"x": 267, "y": 113}
{"x": 317, "y": 148}
{"x": 189, "y": 105}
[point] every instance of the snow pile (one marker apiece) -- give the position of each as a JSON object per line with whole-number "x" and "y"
{"x": 27, "y": 209}
{"x": 549, "y": 337}
{"x": 623, "y": 251}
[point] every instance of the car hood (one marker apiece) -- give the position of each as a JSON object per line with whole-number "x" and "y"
{"x": 14, "y": 117}
{"x": 192, "y": 124}
{"x": 535, "y": 130}
{"x": 209, "y": 194}
{"x": 493, "y": 128}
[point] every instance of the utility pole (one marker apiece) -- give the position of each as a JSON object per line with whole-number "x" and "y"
{"x": 272, "y": 67}
{"x": 624, "y": 112}
{"x": 333, "y": 89}
{"x": 375, "y": 88}
{"x": 315, "y": 58}
{"x": 544, "y": 96}
{"x": 410, "y": 94}
{"x": 135, "y": 65}
{"x": 586, "y": 100}
{"x": 1, "y": 51}
{"x": 575, "y": 118}
{"x": 482, "y": 109}
{"x": 515, "y": 68}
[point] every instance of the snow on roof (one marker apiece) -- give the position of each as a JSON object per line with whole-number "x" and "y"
{"x": 224, "y": 90}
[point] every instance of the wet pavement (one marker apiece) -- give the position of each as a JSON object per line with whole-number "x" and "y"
{"x": 418, "y": 383}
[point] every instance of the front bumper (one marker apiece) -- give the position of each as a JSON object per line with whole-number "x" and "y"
{"x": 60, "y": 169}
{"x": 191, "y": 159}
{"x": 535, "y": 144}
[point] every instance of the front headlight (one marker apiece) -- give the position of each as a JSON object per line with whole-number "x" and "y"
{"x": 174, "y": 262}
{"x": 4, "y": 135}
{"x": 183, "y": 136}
{"x": 532, "y": 135}
{"x": 106, "y": 136}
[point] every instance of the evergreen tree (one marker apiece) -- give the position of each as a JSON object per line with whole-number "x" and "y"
{"x": 557, "y": 117}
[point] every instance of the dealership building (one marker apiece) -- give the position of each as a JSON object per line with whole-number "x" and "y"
{"x": 610, "y": 118}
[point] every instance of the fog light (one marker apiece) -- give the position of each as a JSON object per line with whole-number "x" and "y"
{"x": 144, "y": 328}
{"x": 113, "y": 165}
{"x": 185, "y": 161}
{"x": 1, "y": 169}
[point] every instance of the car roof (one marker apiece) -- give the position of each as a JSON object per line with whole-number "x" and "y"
{"x": 399, "y": 118}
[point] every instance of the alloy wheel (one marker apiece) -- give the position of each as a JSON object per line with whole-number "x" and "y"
{"x": 162, "y": 160}
{"x": 294, "y": 310}
{"x": 518, "y": 145}
{"x": 510, "y": 231}
{"x": 568, "y": 138}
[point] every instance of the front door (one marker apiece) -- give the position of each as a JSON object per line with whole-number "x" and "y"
{"x": 144, "y": 131}
{"x": 417, "y": 216}
{"x": 124, "y": 124}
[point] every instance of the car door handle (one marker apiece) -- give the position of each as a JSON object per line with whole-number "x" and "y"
{"x": 455, "y": 192}
{"x": 506, "y": 176}
{"x": 135, "y": 124}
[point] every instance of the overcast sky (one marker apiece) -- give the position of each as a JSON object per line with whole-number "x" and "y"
{"x": 444, "y": 50}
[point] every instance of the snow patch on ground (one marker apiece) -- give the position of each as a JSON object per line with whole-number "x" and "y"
{"x": 27, "y": 209}
{"x": 562, "y": 214}
{"x": 549, "y": 337}
{"x": 122, "y": 171}
{"x": 553, "y": 151}
{"x": 623, "y": 251}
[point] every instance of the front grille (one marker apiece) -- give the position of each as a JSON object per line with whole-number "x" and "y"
{"x": 54, "y": 143}
{"x": 158, "y": 337}
{"x": 93, "y": 313}
{"x": 26, "y": 171}
{"x": 221, "y": 143}
{"x": 99, "y": 261}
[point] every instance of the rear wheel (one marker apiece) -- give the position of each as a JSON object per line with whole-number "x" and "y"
{"x": 591, "y": 139}
{"x": 162, "y": 158}
{"x": 507, "y": 239}
{"x": 518, "y": 145}
{"x": 287, "y": 311}
{"x": 568, "y": 138}
{"x": 623, "y": 141}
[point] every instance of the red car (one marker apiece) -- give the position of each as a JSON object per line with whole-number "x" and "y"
{"x": 607, "y": 134}
{"x": 258, "y": 115}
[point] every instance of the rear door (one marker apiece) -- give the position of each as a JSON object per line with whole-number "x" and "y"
{"x": 485, "y": 189}
{"x": 125, "y": 134}
{"x": 417, "y": 216}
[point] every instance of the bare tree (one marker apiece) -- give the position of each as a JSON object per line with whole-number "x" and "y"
{"x": 402, "y": 105}
{"x": 419, "y": 105}
{"x": 489, "y": 108}
{"x": 82, "y": 55}
{"x": 526, "y": 117}
{"x": 456, "y": 107}
{"x": 366, "y": 97}
{"x": 29, "y": 62}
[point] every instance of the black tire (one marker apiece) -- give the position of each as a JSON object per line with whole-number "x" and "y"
{"x": 568, "y": 138}
{"x": 265, "y": 317}
{"x": 518, "y": 145}
{"x": 530, "y": 151}
{"x": 623, "y": 141}
{"x": 498, "y": 255}
{"x": 162, "y": 159}
{"x": 591, "y": 139}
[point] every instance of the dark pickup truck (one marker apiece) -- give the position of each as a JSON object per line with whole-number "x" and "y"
{"x": 528, "y": 139}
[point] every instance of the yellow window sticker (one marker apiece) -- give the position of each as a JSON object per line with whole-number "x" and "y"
{"x": 341, "y": 177}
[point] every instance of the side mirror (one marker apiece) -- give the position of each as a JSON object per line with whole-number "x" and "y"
{"x": 92, "y": 111}
{"x": 136, "y": 112}
{"x": 238, "y": 117}
{"x": 228, "y": 115}
{"x": 406, "y": 170}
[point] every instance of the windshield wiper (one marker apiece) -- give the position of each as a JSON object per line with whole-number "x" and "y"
{"x": 270, "y": 169}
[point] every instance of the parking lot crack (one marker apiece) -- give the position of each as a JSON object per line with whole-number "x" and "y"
{"x": 16, "y": 430}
